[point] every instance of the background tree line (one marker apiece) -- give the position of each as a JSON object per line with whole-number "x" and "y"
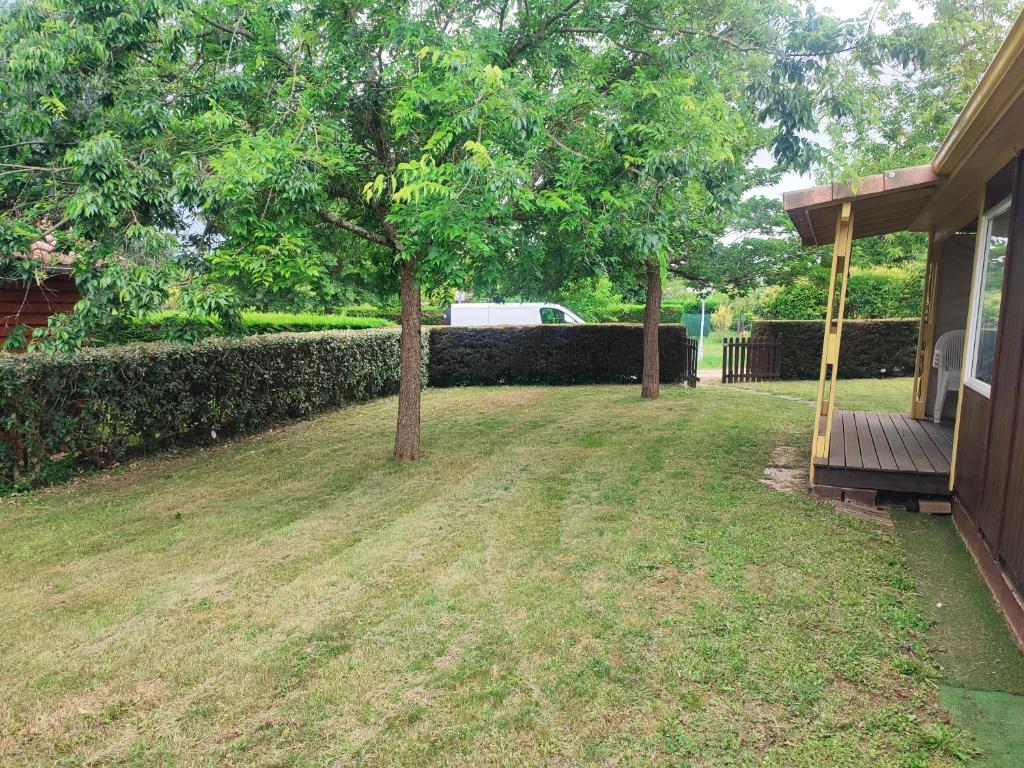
{"x": 215, "y": 156}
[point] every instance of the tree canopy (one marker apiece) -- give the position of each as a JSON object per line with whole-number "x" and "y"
{"x": 223, "y": 154}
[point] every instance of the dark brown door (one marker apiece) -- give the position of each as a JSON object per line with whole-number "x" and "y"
{"x": 972, "y": 453}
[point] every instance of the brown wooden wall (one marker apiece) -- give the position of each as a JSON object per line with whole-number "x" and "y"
{"x": 990, "y": 451}
{"x": 32, "y": 304}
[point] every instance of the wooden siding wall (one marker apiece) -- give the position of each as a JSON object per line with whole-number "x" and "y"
{"x": 972, "y": 449}
{"x": 990, "y": 455}
{"x": 955, "y": 260}
{"x": 32, "y": 304}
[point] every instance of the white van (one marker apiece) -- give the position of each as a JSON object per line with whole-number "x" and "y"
{"x": 508, "y": 314}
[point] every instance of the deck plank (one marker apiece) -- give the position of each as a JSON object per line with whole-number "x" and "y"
{"x": 941, "y": 434}
{"x": 885, "y": 452}
{"x": 937, "y": 454}
{"x": 913, "y": 445}
{"x": 899, "y": 450}
{"x": 868, "y": 452}
{"x": 837, "y": 443}
{"x": 850, "y": 439}
{"x": 883, "y": 448}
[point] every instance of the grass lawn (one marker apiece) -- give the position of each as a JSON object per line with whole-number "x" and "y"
{"x": 980, "y": 669}
{"x": 879, "y": 395}
{"x": 713, "y": 351}
{"x": 571, "y": 576}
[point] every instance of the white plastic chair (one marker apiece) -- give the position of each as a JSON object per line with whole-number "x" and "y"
{"x": 949, "y": 355}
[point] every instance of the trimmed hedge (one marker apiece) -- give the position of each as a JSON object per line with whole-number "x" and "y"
{"x": 870, "y": 348}
{"x": 255, "y": 323}
{"x": 671, "y": 312}
{"x": 98, "y": 406}
{"x": 548, "y": 354}
{"x": 877, "y": 292}
{"x": 66, "y": 412}
{"x": 428, "y": 315}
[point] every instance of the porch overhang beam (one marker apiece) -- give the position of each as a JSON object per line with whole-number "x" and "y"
{"x": 886, "y": 202}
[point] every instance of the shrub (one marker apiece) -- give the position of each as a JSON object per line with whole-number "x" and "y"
{"x": 277, "y": 322}
{"x": 428, "y": 315}
{"x": 589, "y": 298}
{"x": 100, "y": 405}
{"x": 723, "y": 318}
{"x": 548, "y": 354}
{"x": 869, "y": 348}
{"x": 877, "y": 292}
{"x": 671, "y": 312}
{"x": 177, "y": 325}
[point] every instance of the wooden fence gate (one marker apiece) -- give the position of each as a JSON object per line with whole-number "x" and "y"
{"x": 751, "y": 359}
{"x": 690, "y": 362}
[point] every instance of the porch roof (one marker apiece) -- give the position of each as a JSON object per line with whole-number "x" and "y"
{"x": 885, "y": 202}
{"x": 945, "y": 195}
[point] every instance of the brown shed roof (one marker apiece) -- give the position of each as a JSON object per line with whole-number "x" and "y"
{"x": 44, "y": 251}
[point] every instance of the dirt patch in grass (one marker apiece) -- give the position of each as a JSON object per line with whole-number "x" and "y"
{"x": 672, "y": 589}
{"x": 785, "y": 472}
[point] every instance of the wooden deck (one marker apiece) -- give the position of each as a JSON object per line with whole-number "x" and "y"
{"x": 886, "y": 452}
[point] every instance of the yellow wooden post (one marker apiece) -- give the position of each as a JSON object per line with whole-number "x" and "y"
{"x": 979, "y": 251}
{"x": 926, "y": 333}
{"x": 833, "y": 335}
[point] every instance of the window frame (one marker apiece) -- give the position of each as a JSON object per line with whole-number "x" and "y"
{"x": 977, "y": 287}
{"x": 551, "y": 308}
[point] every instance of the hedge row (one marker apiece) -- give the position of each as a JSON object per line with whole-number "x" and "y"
{"x": 62, "y": 413}
{"x": 671, "y": 311}
{"x": 871, "y": 293}
{"x": 255, "y": 323}
{"x": 549, "y": 354}
{"x": 869, "y": 348}
{"x": 428, "y": 315}
{"x": 99, "y": 406}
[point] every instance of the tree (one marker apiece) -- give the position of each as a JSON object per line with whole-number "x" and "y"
{"x": 85, "y": 158}
{"x": 217, "y": 150}
{"x": 898, "y": 119}
{"x": 274, "y": 130}
{"x": 759, "y": 246}
{"x": 390, "y": 125}
{"x": 663, "y": 119}
{"x": 642, "y": 129}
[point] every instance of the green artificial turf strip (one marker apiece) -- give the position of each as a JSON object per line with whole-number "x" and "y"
{"x": 570, "y": 576}
{"x": 995, "y": 720}
{"x": 971, "y": 642}
{"x": 979, "y": 665}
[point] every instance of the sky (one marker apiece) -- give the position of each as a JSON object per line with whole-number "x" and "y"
{"x": 848, "y": 9}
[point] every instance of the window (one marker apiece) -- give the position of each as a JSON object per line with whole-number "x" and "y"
{"x": 552, "y": 315}
{"x": 987, "y": 298}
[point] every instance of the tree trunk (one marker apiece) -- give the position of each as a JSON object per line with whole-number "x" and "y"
{"x": 407, "y": 436}
{"x": 652, "y": 313}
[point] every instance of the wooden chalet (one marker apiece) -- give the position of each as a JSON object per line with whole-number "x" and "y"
{"x": 970, "y": 201}
{"x": 31, "y": 303}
